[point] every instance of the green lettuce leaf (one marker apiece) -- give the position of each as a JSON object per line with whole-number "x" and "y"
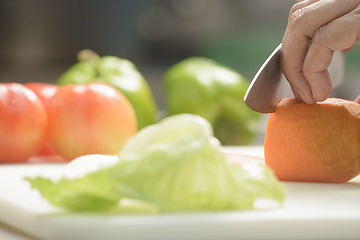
{"x": 174, "y": 166}
{"x": 178, "y": 165}
{"x": 85, "y": 185}
{"x": 256, "y": 181}
{"x": 92, "y": 192}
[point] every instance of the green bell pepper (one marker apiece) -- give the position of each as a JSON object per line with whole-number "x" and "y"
{"x": 119, "y": 73}
{"x": 201, "y": 86}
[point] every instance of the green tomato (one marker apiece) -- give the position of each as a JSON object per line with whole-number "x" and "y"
{"x": 201, "y": 86}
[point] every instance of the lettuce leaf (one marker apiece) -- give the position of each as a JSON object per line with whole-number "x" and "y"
{"x": 256, "y": 181}
{"x": 92, "y": 192}
{"x": 85, "y": 185}
{"x": 174, "y": 166}
{"x": 178, "y": 165}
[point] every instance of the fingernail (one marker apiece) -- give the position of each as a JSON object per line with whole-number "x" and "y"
{"x": 316, "y": 94}
{"x": 320, "y": 94}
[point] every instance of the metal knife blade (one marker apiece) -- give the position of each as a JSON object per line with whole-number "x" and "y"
{"x": 263, "y": 94}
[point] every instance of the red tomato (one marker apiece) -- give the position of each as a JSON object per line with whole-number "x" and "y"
{"x": 44, "y": 91}
{"x": 89, "y": 119}
{"x": 22, "y": 123}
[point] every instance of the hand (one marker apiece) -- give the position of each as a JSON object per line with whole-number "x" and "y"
{"x": 316, "y": 29}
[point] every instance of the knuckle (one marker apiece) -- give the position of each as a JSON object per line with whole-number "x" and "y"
{"x": 355, "y": 13}
{"x": 356, "y": 16}
{"x": 296, "y": 19}
{"x": 319, "y": 37}
{"x": 294, "y": 8}
{"x": 357, "y": 9}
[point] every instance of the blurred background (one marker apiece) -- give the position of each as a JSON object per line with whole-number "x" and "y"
{"x": 39, "y": 39}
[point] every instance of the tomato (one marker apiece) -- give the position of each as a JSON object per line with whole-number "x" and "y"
{"x": 91, "y": 118}
{"x": 44, "y": 91}
{"x": 22, "y": 123}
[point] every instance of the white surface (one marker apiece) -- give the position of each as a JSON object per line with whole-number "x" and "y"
{"x": 311, "y": 211}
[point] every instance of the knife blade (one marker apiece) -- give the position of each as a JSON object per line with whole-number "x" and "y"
{"x": 269, "y": 84}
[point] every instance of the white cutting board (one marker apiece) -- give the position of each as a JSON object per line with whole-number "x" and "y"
{"x": 311, "y": 211}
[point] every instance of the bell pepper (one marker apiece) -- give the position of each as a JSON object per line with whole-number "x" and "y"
{"x": 119, "y": 73}
{"x": 201, "y": 86}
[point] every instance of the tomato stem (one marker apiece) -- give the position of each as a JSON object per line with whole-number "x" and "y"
{"x": 86, "y": 55}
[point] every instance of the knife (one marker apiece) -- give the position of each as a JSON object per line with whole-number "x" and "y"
{"x": 269, "y": 85}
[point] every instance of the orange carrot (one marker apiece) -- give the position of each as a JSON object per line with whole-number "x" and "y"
{"x": 314, "y": 143}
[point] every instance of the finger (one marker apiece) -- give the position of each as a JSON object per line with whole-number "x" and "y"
{"x": 300, "y": 4}
{"x": 340, "y": 34}
{"x": 299, "y": 33}
{"x": 296, "y": 7}
{"x": 302, "y": 83}
{"x": 302, "y": 25}
{"x": 296, "y": 78}
{"x": 296, "y": 94}
{"x": 316, "y": 14}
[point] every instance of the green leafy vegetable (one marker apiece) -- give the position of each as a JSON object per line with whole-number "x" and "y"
{"x": 175, "y": 165}
{"x": 85, "y": 184}
{"x": 256, "y": 181}
{"x": 94, "y": 191}
{"x": 178, "y": 166}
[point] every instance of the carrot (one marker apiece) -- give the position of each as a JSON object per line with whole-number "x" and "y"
{"x": 314, "y": 143}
